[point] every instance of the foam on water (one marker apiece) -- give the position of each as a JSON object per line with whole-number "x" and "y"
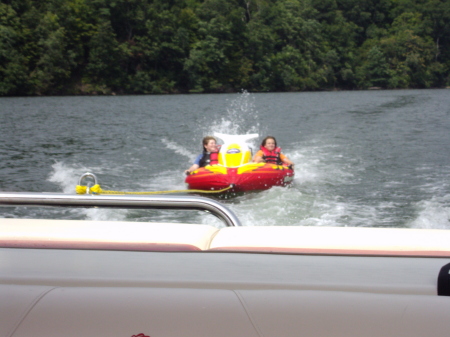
{"x": 67, "y": 177}
{"x": 433, "y": 214}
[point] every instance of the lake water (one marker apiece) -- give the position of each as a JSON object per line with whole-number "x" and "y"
{"x": 363, "y": 158}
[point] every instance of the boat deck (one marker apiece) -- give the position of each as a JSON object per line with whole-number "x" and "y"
{"x": 106, "y": 278}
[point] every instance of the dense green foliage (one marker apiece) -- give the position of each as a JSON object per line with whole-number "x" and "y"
{"x": 170, "y": 46}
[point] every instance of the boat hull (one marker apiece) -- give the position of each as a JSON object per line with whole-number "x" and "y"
{"x": 249, "y": 177}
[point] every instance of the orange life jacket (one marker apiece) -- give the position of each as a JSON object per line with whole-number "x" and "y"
{"x": 272, "y": 157}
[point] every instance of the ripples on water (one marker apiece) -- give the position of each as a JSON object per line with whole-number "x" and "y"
{"x": 369, "y": 158}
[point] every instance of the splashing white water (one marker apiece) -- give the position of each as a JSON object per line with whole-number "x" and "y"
{"x": 66, "y": 177}
{"x": 241, "y": 117}
{"x": 433, "y": 214}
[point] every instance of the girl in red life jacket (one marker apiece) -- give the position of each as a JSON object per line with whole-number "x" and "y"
{"x": 208, "y": 157}
{"x": 270, "y": 153}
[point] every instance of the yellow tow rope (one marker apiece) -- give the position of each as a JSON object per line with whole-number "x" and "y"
{"x": 96, "y": 189}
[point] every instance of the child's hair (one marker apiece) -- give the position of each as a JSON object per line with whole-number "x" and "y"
{"x": 206, "y": 141}
{"x": 266, "y": 139}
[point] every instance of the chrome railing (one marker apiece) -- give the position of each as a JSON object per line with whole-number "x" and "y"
{"x": 121, "y": 201}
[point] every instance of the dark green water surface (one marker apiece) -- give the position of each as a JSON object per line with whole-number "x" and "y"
{"x": 366, "y": 158}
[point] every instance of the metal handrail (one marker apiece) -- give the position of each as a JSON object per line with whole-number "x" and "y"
{"x": 121, "y": 201}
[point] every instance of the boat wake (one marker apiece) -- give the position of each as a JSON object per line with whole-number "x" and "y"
{"x": 178, "y": 149}
{"x": 334, "y": 185}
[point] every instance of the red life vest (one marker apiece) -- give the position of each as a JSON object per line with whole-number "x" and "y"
{"x": 209, "y": 159}
{"x": 272, "y": 157}
{"x": 214, "y": 158}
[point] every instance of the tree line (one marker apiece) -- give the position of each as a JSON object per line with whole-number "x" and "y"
{"x": 54, "y": 47}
